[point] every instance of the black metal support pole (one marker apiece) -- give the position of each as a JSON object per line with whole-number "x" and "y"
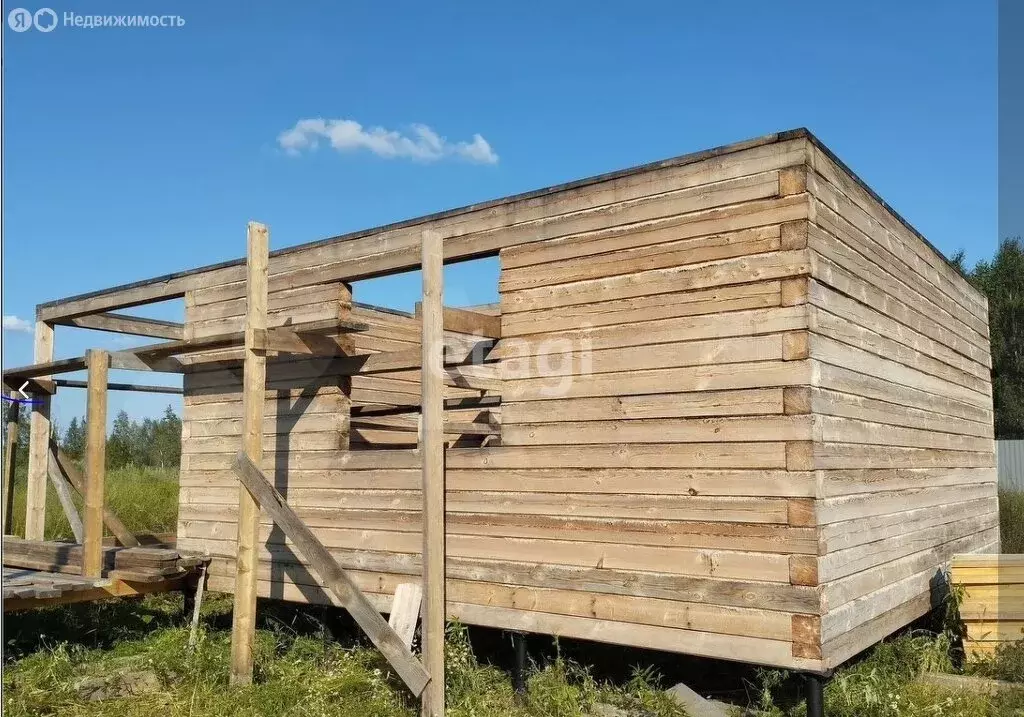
{"x": 188, "y": 594}
{"x": 519, "y": 669}
{"x": 814, "y": 686}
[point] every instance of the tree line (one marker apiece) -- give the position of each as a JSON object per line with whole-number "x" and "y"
{"x": 151, "y": 442}
{"x": 1001, "y": 279}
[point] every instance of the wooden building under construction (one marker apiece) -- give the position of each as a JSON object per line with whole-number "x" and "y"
{"x": 730, "y": 404}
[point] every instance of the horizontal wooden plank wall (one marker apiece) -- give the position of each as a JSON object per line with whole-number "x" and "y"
{"x": 992, "y": 603}
{"x": 651, "y": 387}
{"x": 650, "y": 500}
{"x": 745, "y": 413}
{"x": 902, "y": 404}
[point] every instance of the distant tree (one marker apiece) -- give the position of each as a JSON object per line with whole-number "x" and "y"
{"x": 74, "y": 438}
{"x": 166, "y": 440}
{"x": 119, "y": 445}
{"x": 1002, "y": 281}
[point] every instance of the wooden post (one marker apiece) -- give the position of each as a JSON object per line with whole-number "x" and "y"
{"x": 432, "y": 453}
{"x": 243, "y": 627}
{"x": 95, "y": 462}
{"x": 39, "y": 443}
{"x": 10, "y": 461}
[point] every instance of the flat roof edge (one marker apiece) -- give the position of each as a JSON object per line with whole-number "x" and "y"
{"x": 680, "y": 160}
{"x": 689, "y": 158}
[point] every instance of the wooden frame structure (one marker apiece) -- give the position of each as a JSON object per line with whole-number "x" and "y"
{"x": 768, "y": 429}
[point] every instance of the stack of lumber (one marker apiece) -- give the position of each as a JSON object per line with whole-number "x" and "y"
{"x": 130, "y": 564}
{"x": 33, "y": 584}
{"x": 992, "y": 600}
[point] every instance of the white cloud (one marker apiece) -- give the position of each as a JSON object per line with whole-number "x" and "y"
{"x": 13, "y": 323}
{"x": 421, "y": 144}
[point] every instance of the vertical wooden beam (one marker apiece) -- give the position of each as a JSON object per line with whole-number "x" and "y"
{"x": 95, "y": 462}
{"x": 432, "y": 453}
{"x": 243, "y": 627}
{"x": 10, "y": 461}
{"x": 39, "y": 443}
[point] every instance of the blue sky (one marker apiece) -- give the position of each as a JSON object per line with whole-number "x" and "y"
{"x": 133, "y": 152}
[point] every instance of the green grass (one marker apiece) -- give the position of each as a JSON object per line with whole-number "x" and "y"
{"x": 1011, "y": 521}
{"x": 299, "y": 670}
{"x": 145, "y": 499}
{"x": 886, "y": 684}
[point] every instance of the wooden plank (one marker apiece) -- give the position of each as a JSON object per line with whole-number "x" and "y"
{"x": 405, "y": 611}
{"x": 112, "y": 588}
{"x": 856, "y": 286}
{"x": 698, "y": 328}
{"x": 599, "y": 234}
{"x": 95, "y": 462}
{"x": 38, "y": 441}
{"x": 914, "y": 246}
{"x": 706, "y": 482}
{"x": 843, "y": 306}
{"x": 643, "y": 258}
{"x": 826, "y": 402}
{"x": 713, "y": 377}
{"x": 716, "y": 300}
{"x": 67, "y": 383}
{"x": 706, "y": 404}
{"x": 779, "y": 596}
{"x": 707, "y": 275}
{"x": 43, "y": 367}
{"x": 724, "y": 620}
{"x": 433, "y": 468}
{"x": 215, "y": 522}
{"x": 768, "y": 454}
{"x": 243, "y": 626}
{"x": 464, "y": 321}
{"x": 125, "y": 324}
{"x": 896, "y": 247}
{"x": 656, "y": 430}
{"x": 642, "y": 506}
{"x": 237, "y": 338}
{"x": 845, "y": 330}
{"x": 79, "y": 481}
{"x": 10, "y": 461}
{"x": 67, "y": 503}
{"x": 382, "y": 636}
{"x": 836, "y": 353}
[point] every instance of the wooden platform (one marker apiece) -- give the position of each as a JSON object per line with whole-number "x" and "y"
{"x": 40, "y": 573}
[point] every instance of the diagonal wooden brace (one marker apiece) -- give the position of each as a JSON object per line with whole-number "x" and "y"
{"x": 70, "y": 472}
{"x": 348, "y": 593}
